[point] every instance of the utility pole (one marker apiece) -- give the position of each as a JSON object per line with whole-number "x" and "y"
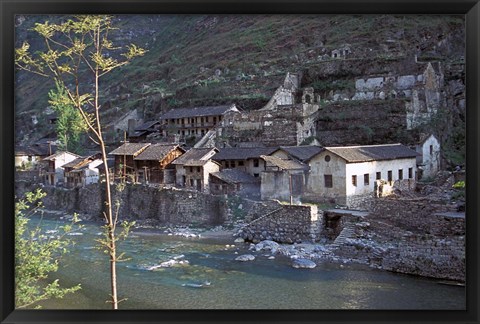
{"x": 124, "y": 157}
{"x": 291, "y": 188}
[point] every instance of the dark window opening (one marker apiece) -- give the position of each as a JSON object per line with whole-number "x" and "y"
{"x": 240, "y": 163}
{"x": 255, "y": 163}
{"x": 366, "y": 179}
{"x": 354, "y": 180}
{"x": 400, "y": 174}
{"x": 431, "y": 149}
{"x": 390, "y": 177}
{"x": 379, "y": 175}
{"x": 327, "y": 158}
{"x": 328, "y": 180}
{"x": 256, "y": 175}
{"x": 410, "y": 173}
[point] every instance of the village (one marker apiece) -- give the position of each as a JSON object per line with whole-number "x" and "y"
{"x": 269, "y": 167}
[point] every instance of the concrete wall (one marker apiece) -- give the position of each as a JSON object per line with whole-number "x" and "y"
{"x": 318, "y": 168}
{"x": 430, "y": 162}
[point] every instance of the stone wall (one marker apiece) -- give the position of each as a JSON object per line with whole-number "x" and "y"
{"x": 151, "y": 205}
{"x": 285, "y": 224}
{"x": 427, "y": 239}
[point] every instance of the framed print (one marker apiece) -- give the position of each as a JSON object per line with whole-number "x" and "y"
{"x": 228, "y": 161}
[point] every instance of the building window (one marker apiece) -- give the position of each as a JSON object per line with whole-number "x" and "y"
{"x": 214, "y": 120}
{"x": 240, "y": 163}
{"x": 191, "y": 182}
{"x": 366, "y": 179}
{"x": 390, "y": 178}
{"x": 198, "y": 169}
{"x": 256, "y": 175}
{"x": 328, "y": 180}
{"x": 327, "y": 158}
{"x": 431, "y": 149}
{"x": 232, "y": 164}
{"x": 191, "y": 169}
{"x": 400, "y": 174}
{"x": 354, "y": 180}
{"x": 379, "y": 175}
{"x": 410, "y": 173}
{"x": 255, "y": 163}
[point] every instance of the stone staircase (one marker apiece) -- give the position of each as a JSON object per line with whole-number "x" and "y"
{"x": 347, "y": 232}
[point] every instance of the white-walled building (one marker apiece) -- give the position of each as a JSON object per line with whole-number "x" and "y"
{"x": 428, "y": 160}
{"x": 53, "y": 170}
{"x": 346, "y": 174}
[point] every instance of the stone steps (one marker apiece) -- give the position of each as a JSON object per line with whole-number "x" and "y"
{"x": 347, "y": 232}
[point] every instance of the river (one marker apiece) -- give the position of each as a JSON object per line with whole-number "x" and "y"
{"x": 210, "y": 278}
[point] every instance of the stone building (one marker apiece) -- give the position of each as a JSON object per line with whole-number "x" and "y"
{"x": 348, "y": 174}
{"x": 428, "y": 160}
{"x": 234, "y": 182}
{"x": 139, "y": 133}
{"x": 153, "y": 165}
{"x": 193, "y": 122}
{"x": 246, "y": 159}
{"x": 282, "y": 179}
{"x": 193, "y": 168}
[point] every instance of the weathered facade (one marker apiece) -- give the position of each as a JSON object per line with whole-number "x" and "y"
{"x": 124, "y": 158}
{"x": 428, "y": 160}
{"x": 234, "y": 182}
{"x": 193, "y": 169}
{"x": 82, "y": 171}
{"x": 342, "y": 174}
{"x": 246, "y": 159}
{"x": 152, "y": 163}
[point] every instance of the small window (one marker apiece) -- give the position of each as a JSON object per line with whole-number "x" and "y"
{"x": 410, "y": 173}
{"x": 354, "y": 180}
{"x": 379, "y": 175}
{"x": 400, "y": 174}
{"x": 366, "y": 179}
{"x": 255, "y": 163}
{"x": 328, "y": 180}
{"x": 327, "y": 158}
{"x": 431, "y": 149}
{"x": 256, "y": 175}
{"x": 198, "y": 169}
{"x": 191, "y": 169}
{"x": 191, "y": 182}
{"x": 390, "y": 177}
{"x": 240, "y": 163}
{"x": 232, "y": 164}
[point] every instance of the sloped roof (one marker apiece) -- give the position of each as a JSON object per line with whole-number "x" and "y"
{"x": 156, "y": 152}
{"x": 284, "y": 164}
{"x": 81, "y": 162}
{"x": 53, "y": 157}
{"x": 197, "y": 112}
{"x": 243, "y": 153}
{"x": 130, "y": 149}
{"x": 373, "y": 152}
{"x": 147, "y": 125}
{"x": 194, "y": 157}
{"x": 235, "y": 176}
{"x": 302, "y": 153}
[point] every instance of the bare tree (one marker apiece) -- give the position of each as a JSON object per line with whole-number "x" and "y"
{"x": 76, "y": 50}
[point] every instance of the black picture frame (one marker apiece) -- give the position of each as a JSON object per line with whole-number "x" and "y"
{"x": 470, "y": 8}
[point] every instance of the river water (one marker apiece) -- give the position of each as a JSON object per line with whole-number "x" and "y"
{"x": 212, "y": 279}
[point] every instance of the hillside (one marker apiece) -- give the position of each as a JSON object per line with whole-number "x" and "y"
{"x": 196, "y": 60}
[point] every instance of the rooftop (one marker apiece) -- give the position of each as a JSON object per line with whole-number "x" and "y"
{"x": 197, "y": 112}
{"x": 53, "y": 157}
{"x": 156, "y": 152}
{"x": 373, "y": 152}
{"x": 235, "y": 176}
{"x": 195, "y": 156}
{"x": 283, "y": 164}
{"x": 302, "y": 153}
{"x": 130, "y": 149}
{"x": 243, "y": 153}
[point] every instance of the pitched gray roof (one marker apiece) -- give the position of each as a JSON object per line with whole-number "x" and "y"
{"x": 194, "y": 156}
{"x": 242, "y": 153}
{"x": 302, "y": 153}
{"x": 156, "y": 152}
{"x": 235, "y": 176}
{"x": 373, "y": 152}
{"x": 54, "y": 156}
{"x": 130, "y": 149}
{"x": 196, "y": 112}
{"x": 147, "y": 125}
{"x": 283, "y": 164}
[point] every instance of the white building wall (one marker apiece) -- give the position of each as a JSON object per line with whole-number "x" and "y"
{"x": 61, "y": 160}
{"x": 208, "y": 168}
{"x": 371, "y": 168}
{"x": 430, "y": 156}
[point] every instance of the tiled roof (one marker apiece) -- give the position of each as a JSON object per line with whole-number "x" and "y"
{"x": 235, "y": 176}
{"x": 156, "y": 152}
{"x": 302, "y": 153}
{"x": 130, "y": 149}
{"x": 195, "y": 157}
{"x": 147, "y": 125}
{"x": 54, "y": 156}
{"x": 373, "y": 152}
{"x": 242, "y": 153}
{"x": 34, "y": 150}
{"x": 197, "y": 112}
{"x": 283, "y": 164}
{"x": 81, "y": 162}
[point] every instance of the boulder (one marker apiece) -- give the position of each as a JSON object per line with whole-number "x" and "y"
{"x": 245, "y": 257}
{"x": 267, "y": 245}
{"x": 301, "y": 263}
